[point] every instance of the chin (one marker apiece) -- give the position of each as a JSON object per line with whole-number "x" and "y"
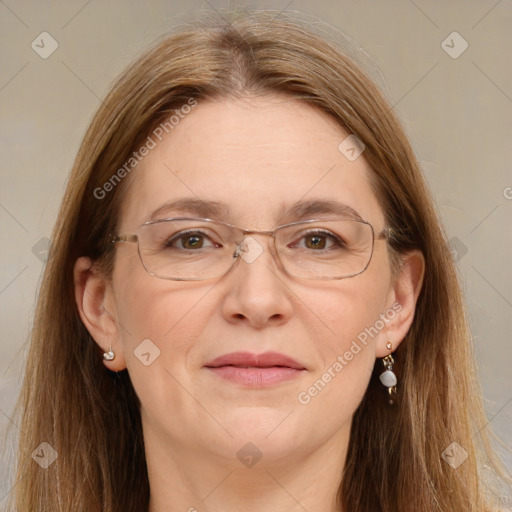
{"x": 273, "y": 431}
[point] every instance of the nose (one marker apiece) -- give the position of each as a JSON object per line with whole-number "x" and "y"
{"x": 256, "y": 291}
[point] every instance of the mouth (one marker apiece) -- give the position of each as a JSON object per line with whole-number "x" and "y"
{"x": 255, "y": 370}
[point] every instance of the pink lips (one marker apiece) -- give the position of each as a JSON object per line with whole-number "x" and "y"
{"x": 255, "y": 370}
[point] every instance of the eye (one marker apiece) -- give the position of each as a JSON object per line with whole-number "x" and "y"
{"x": 192, "y": 239}
{"x": 319, "y": 240}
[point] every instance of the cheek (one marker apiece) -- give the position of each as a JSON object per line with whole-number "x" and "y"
{"x": 146, "y": 306}
{"x": 355, "y": 316}
{"x": 162, "y": 311}
{"x": 350, "y": 309}
{"x": 159, "y": 324}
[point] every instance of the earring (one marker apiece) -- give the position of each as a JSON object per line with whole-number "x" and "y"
{"x": 109, "y": 356}
{"x": 388, "y": 378}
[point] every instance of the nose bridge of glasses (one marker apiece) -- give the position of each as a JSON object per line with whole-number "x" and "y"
{"x": 249, "y": 248}
{"x": 254, "y": 234}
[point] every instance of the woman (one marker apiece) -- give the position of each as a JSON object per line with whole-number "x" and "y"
{"x": 250, "y": 303}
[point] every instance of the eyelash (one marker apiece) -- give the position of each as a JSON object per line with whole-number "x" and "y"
{"x": 184, "y": 234}
{"x": 336, "y": 239}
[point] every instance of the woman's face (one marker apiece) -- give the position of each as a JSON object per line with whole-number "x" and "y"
{"x": 258, "y": 157}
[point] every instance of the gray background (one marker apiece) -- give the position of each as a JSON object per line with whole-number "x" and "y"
{"x": 457, "y": 112}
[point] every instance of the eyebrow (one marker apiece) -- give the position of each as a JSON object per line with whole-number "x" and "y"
{"x": 192, "y": 205}
{"x": 297, "y": 211}
{"x": 307, "y": 209}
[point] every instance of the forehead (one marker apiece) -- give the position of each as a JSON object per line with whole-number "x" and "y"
{"x": 256, "y": 161}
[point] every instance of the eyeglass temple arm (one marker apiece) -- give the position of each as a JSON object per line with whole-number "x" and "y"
{"x": 386, "y": 233}
{"x": 123, "y": 238}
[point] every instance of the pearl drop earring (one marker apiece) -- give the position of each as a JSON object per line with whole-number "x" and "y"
{"x": 388, "y": 377}
{"x": 109, "y": 356}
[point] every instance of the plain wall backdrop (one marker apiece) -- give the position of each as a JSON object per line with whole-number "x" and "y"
{"x": 445, "y": 67}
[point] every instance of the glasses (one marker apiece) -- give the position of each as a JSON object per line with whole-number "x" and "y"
{"x": 193, "y": 249}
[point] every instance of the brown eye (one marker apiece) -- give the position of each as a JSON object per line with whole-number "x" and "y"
{"x": 315, "y": 242}
{"x": 189, "y": 240}
{"x": 192, "y": 242}
{"x": 319, "y": 241}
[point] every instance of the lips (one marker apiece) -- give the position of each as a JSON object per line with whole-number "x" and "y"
{"x": 255, "y": 370}
{"x": 247, "y": 360}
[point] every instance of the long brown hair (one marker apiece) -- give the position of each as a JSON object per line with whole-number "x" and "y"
{"x": 90, "y": 416}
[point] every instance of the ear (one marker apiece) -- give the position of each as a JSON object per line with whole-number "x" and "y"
{"x": 403, "y": 296}
{"x": 94, "y": 298}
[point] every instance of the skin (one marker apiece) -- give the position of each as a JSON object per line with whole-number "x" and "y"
{"x": 252, "y": 154}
